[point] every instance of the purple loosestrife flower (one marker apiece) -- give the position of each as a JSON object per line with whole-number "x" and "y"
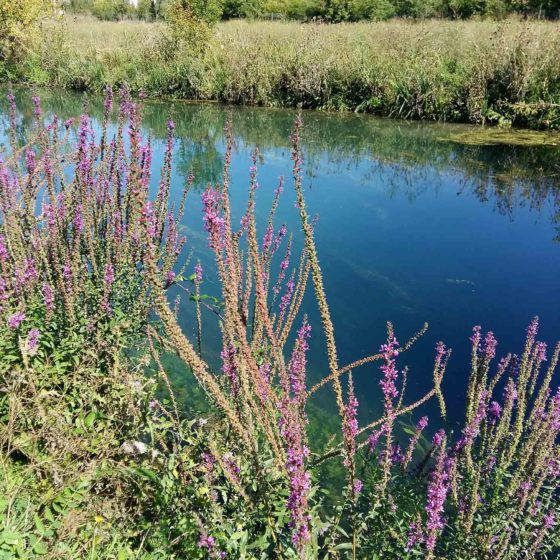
{"x": 490, "y": 344}
{"x": 3, "y": 292}
{"x": 231, "y": 466}
{"x": 436, "y": 495}
{"x": 213, "y": 221}
{"x": 541, "y": 352}
{"x": 32, "y": 341}
{"x": 263, "y": 384}
{"x": 3, "y": 249}
{"x": 554, "y": 413}
{"x": 438, "y": 438}
{"x": 67, "y": 274}
{"x": 108, "y": 101}
{"x": 440, "y": 353}
{"x": 198, "y": 273}
{"x": 532, "y": 331}
{"x": 37, "y": 106}
{"x": 267, "y": 239}
{"x": 494, "y": 410}
{"x": 475, "y": 338}
{"x": 108, "y": 277}
{"x": 397, "y": 457}
{"x": 415, "y": 535}
{"x": 169, "y": 278}
{"x": 549, "y": 520}
{"x": 554, "y": 468}
{"x": 300, "y": 482}
{"x": 62, "y": 207}
{"x": 84, "y": 132}
{"x": 78, "y": 219}
{"x": 374, "y": 437}
{"x": 298, "y": 362}
{"x": 229, "y": 368}
{"x": 15, "y": 320}
{"x": 350, "y": 425}
{"x": 30, "y": 161}
{"x": 358, "y": 486}
{"x": 390, "y": 373}
{"x": 471, "y": 430}
{"x": 26, "y": 275}
{"x": 536, "y": 508}
{"x": 278, "y": 238}
{"x": 523, "y": 490}
{"x": 287, "y": 297}
{"x": 149, "y": 220}
{"x": 413, "y": 441}
{"x": 283, "y": 267}
{"x": 206, "y": 541}
{"x": 48, "y": 212}
{"x": 108, "y": 280}
{"x": 48, "y": 298}
{"x": 208, "y": 463}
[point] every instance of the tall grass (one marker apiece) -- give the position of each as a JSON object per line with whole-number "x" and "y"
{"x": 473, "y": 71}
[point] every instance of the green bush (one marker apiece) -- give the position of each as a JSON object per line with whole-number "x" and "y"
{"x": 111, "y": 10}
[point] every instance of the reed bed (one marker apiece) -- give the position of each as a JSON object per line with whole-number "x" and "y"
{"x": 467, "y": 71}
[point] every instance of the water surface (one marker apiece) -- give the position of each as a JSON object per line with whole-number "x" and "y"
{"x": 413, "y": 226}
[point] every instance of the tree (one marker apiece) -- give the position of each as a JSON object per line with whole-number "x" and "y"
{"x": 18, "y": 26}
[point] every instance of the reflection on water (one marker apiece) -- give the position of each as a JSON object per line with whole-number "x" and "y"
{"x": 413, "y": 226}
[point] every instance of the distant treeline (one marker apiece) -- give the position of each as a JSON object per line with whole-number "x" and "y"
{"x": 324, "y": 10}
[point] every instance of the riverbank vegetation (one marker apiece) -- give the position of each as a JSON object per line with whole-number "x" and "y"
{"x": 333, "y": 11}
{"x": 97, "y": 461}
{"x": 499, "y": 72}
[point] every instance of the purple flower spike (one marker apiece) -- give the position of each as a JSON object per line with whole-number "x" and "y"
{"x": 229, "y": 368}
{"x": 15, "y": 320}
{"x": 490, "y": 344}
{"x": 33, "y": 341}
{"x": 296, "y": 369}
{"x": 390, "y": 373}
{"x": 206, "y": 541}
{"x": 436, "y": 496}
{"x": 198, "y": 273}
{"x": 494, "y": 410}
{"x": 415, "y": 536}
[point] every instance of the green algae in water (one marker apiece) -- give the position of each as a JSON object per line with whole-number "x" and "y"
{"x": 504, "y": 137}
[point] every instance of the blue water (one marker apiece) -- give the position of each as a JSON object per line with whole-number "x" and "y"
{"x": 412, "y": 227}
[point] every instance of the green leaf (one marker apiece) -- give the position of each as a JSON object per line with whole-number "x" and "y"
{"x": 89, "y": 419}
{"x": 11, "y": 538}
{"x": 40, "y": 548}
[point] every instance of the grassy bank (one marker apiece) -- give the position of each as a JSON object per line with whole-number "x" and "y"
{"x": 474, "y": 71}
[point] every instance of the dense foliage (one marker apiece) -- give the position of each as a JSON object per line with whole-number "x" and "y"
{"x": 94, "y": 465}
{"x": 18, "y": 26}
{"x": 330, "y": 10}
{"x": 480, "y": 72}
